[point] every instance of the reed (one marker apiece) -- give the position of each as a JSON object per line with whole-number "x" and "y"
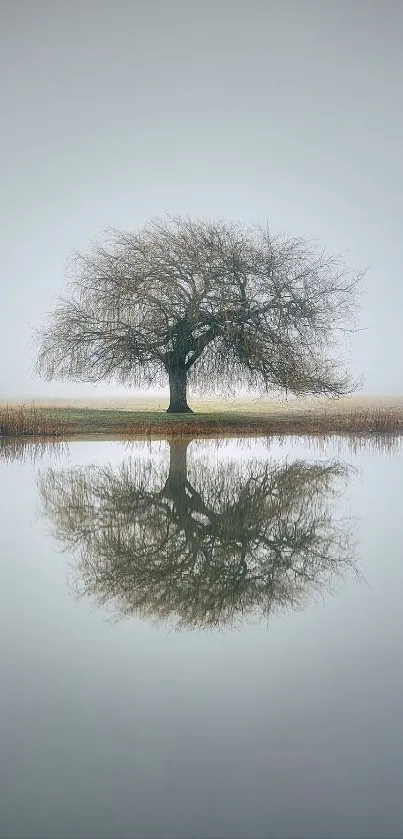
{"x": 28, "y": 421}
{"x": 22, "y": 421}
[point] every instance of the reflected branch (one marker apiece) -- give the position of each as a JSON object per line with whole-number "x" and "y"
{"x": 200, "y": 545}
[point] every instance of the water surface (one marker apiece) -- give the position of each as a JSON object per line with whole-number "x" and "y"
{"x": 201, "y": 641}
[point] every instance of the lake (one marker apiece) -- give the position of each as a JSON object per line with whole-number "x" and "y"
{"x": 201, "y": 640}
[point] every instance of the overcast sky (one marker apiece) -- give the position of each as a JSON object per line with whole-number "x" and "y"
{"x": 113, "y": 112}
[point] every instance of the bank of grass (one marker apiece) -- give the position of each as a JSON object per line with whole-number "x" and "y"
{"x": 332, "y": 418}
{"x": 29, "y": 421}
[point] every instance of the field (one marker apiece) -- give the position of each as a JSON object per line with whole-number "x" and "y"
{"x": 130, "y": 417}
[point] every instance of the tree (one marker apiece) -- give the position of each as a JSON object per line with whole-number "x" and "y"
{"x": 206, "y": 550}
{"x": 211, "y": 304}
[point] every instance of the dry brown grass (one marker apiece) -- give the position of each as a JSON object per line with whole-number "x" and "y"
{"x": 330, "y": 418}
{"x": 22, "y": 421}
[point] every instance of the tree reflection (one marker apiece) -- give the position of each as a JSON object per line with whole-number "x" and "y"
{"x": 200, "y": 545}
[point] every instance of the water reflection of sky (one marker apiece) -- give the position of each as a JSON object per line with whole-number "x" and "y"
{"x": 130, "y": 729}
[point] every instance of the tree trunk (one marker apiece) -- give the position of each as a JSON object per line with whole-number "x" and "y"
{"x": 175, "y": 487}
{"x": 177, "y": 475}
{"x": 177, "y": 390}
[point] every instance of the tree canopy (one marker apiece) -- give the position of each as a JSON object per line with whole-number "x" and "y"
{"x": 212, "y": 304}
{"x": 201, "y": 545}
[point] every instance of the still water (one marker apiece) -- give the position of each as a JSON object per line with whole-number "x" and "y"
{"x": 201, "y": 641}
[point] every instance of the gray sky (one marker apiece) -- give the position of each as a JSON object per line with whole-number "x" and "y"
{"x": 113, "y": 112}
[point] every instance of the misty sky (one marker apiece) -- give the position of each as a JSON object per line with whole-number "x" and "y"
{"x": 113, "y": 112}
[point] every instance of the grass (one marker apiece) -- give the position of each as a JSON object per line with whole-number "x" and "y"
{"x": 31, "y": 421}
{"x": 60, "y": 420}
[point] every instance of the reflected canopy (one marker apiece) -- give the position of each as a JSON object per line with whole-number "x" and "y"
{"x": 200, "y": 545}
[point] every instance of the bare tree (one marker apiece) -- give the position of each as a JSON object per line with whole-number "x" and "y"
{"x": 211, "y": 304}
{"x": 203, "y": 546}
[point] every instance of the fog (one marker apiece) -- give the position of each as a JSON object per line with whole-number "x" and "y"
{"x": 286, "y": 112}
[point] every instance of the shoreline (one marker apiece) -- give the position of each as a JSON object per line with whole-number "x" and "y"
{"x": 22, "y": 422}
